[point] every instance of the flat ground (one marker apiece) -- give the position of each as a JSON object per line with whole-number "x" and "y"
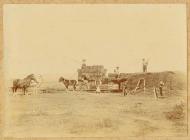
{"x": 81, "y": 114}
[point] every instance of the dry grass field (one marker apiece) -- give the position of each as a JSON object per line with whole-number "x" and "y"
{"x": 83, "y": 114}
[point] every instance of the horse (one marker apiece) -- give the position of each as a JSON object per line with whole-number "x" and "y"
{"x": 118, "y": 81}
{"x": 23, "y": 83}
{"x": 67, "y": 82}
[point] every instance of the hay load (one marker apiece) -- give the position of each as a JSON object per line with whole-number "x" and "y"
{"x": 172, "y": 80}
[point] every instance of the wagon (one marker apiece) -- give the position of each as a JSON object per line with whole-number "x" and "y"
{"x": 109, "y": 87}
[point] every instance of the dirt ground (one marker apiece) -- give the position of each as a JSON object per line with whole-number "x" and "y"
{"x": 82, "y": 114}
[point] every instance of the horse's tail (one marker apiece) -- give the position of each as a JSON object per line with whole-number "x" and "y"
{"x": 15, "y": 82}
{"x": 15, "y": 85}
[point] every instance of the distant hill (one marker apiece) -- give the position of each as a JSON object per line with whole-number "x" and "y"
{"x": 173, "y": 80}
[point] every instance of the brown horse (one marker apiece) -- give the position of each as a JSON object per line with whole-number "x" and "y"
{"x": 68, "y": 83}
{"x": 23, "y": 83}
{"x": 118, "y": 81}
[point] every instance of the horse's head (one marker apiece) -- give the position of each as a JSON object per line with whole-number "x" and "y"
{"x": 32, "y": 77}
{"x": 61, "y": 79}
{"x": 36, "y": 80}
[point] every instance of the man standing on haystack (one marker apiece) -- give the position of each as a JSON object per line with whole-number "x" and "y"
{"x": 145, "y": 65}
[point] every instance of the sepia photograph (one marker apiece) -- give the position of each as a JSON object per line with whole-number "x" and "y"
{"x": 101, "y": 70}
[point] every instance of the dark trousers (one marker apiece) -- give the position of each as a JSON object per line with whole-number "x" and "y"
{"x": 161, "y": 91}
{"x": 144, "y": 68}
{"x": 125, "y": 92}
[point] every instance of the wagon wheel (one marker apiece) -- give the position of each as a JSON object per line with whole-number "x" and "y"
{"x": 83, "y": 87}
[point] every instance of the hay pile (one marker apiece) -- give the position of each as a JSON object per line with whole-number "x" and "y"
{"x": 172, "y": 80}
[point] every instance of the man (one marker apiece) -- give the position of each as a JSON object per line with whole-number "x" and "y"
{"x": 161, "y": 85}
{"x": 125, "y": 89}
{"x": 98, "y": 89}
{"x": 145, "y": 65}
{"x": 98, "y": 86}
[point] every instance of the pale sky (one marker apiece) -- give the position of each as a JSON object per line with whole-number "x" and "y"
{"x": 53, "y": 39}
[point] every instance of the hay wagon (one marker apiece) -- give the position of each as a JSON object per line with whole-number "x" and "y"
{"x": 104, "y": 86}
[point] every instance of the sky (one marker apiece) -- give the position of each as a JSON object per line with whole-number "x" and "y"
{"x": 53, "y": 39}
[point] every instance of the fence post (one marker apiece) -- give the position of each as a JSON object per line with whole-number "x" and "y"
{"x": 144, "y": 85}
{"x": 155, "y": 93}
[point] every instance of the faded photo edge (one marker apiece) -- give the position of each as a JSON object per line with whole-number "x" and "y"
{"x": 2, "y": 96}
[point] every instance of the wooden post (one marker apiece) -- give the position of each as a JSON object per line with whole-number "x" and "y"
{"x": 144, "y": 85}
{"x": 137, "y": 85}
{"x": 155, "y": 93}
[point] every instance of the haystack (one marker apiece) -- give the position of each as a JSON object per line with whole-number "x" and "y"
{"x": 172, "y": 80}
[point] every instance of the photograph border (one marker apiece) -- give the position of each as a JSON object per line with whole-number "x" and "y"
{"x": 2, "y": 96}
